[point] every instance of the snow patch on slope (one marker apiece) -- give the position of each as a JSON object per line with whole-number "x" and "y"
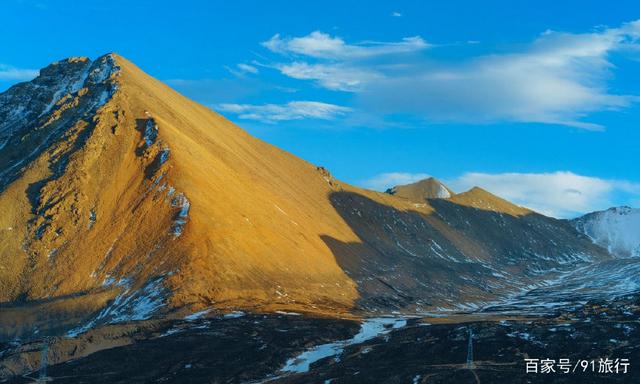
{"x": 128, "y": 306}
{"x": 150, "y": 132}
{"x": 181, "y": 217}
{"x": 442, "y": 193}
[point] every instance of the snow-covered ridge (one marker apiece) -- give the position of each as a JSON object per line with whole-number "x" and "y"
{"x": 616, "y": 229}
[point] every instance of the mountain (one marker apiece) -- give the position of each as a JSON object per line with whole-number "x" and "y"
{"x": 422, "y": 190}
{"x": 479, "y": 198}
{"x": 616, "y": 229}
{"x": 122, "y": 200}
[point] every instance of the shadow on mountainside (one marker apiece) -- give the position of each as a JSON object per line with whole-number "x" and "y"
{"x": 456, "y": 254}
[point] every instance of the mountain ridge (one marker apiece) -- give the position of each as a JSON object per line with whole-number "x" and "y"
{"x": 150, "y": 202}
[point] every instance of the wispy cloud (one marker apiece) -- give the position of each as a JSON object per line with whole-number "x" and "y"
{"x": 385, "y": 181}
{"x": 242, "y": 69}
{"x": 342, "y": 77}
{"x": 396, "y": 14}
{"x": 559, "y": 78}
{"x": 294, "y": 110}
{"x": 324, "y": 46}
{"x": 337, "y": 65}
{"x": 247, "y": 68}
{"x": 9, "y": 73}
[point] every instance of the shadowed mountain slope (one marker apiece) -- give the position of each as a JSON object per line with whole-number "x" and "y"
{"x": 452, "y": 255}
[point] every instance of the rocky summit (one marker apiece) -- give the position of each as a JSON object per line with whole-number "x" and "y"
{"x": 134, "y": 221}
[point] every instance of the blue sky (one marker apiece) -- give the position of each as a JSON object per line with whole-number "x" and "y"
{"x": 535, "y": 101}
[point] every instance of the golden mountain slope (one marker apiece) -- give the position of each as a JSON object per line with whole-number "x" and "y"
{"x": 257, "y": 213}
{"x": 255, "y": 219}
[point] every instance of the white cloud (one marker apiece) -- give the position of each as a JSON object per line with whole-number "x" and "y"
{"x": 247, "y": 68}
{"x": 341, "y": 65}
{"x": 331, "y": 76}
{"x": 557, "y": 194}
{"x": 559, "y": 78}
{"x": 10, "y": 73}
{"x": 324, "y": 46}
{"x": 242, "y": 69}
{"x": 294, "y": 110}
{"x": 384, "y": 181}
{"x": 396, "y": 14}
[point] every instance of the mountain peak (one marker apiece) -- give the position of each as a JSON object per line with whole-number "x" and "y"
{"x": 35, "y": 114}
{"x": 617, "y": 229}
{"x": 480, "y": 198}
{"x": 123, "y": 177}
{"x": 420, "y": 191}
{"x": 476, "y": 189}
{"x": 66, "y": 61}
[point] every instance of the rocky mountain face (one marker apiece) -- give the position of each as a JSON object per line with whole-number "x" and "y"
{"x": 122, "y": 200}
{"x": 616, "y": 229}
